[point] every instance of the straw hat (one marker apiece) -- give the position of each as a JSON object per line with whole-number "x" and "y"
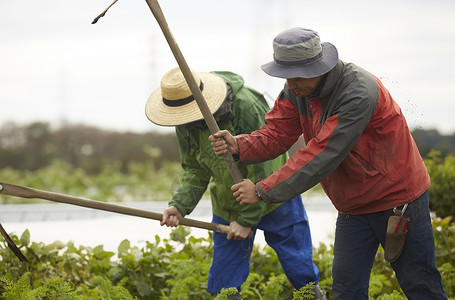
{"x": 298, "y": 52}
{"x": 173, "y": 103}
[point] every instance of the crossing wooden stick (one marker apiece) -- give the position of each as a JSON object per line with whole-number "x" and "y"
{"x": 194, "y": 87}
{"x": 27, "y": 192}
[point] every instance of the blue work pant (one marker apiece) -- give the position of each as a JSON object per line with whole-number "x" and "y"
{"x": 286, "y": 230}
{"x": 357, "y": 239}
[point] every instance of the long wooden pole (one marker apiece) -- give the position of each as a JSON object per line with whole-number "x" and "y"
{"x": 194, "y": 87}
{"x": 27, "y": 192}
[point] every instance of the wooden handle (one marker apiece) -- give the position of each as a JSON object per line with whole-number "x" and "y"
{"x": 26, "y": 192}
{"x": 194, "y": 87}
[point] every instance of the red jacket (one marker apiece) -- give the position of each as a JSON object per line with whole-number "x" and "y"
{"x": 358, "y": 145}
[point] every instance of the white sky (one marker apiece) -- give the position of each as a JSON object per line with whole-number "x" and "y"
{"x": 56, "y": 66}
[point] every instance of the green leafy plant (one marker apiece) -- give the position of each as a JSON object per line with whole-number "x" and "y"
{"x": 444, "y": 233}
{"x": 51, "y": 289}
{"x": 442, "y": 188}
{"x": 177, "y": 269}
{"x": 306, "y": 292}
{"x": 223, "y": 294}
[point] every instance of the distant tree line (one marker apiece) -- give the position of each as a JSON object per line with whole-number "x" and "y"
{"x": 33, "y": 146}
{"x": 428, "y": 140}
{"x": 36, "y": 145}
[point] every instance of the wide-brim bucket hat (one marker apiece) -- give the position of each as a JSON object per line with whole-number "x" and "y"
{"x": 173, "y": 104}
{"x": 298, "y": 52}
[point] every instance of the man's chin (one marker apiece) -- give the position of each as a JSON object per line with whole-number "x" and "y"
{"x": 297, "y": 94}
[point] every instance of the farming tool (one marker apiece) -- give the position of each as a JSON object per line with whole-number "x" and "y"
{"x": 27, "y": 192}
{"x": 194, "y": 87}
{"x": 396, "y": 234}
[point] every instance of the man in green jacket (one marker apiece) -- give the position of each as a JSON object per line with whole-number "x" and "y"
{"x": 239, "y": 109}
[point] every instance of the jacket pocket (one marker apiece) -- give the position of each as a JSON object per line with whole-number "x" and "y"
{"x": 358, "y": 169}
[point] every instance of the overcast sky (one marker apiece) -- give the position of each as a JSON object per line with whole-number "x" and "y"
{"x": 55, "y": 66}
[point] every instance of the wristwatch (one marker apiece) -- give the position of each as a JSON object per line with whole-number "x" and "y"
{"x": 257, "y": 192}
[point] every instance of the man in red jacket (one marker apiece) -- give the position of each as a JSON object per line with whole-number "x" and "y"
{"x": 358, "y": 146}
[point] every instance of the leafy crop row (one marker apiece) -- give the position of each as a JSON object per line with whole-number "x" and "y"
{"x": 177, "y": 269}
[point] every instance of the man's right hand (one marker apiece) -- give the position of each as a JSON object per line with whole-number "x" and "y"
{"x": 171, "y": 217}
{"x": 222, "y": 141}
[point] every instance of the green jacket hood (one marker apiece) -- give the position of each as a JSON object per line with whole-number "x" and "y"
{"x": 234, "y": 80}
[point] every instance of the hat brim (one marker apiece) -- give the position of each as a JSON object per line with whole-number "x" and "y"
{"x": 214, "y": 93}
{"x": 325, "y": 64}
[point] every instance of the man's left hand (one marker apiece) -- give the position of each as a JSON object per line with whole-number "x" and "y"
{"x": 238, "y": 232}
{"x": 244, "y": 192}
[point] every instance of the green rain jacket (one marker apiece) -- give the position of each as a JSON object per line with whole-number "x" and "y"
{"x": 203, "y": 169}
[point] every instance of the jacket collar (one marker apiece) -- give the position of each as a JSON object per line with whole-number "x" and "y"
{"x": 328, "y": 82}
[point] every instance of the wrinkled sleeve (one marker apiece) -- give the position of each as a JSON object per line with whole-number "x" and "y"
{"x": 322, "y": 154}
{"x": 195, "y": 179}
{"x": 281, "y": 131}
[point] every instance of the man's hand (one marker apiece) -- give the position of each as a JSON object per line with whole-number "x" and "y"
{"x": 222, "y": 141}
{"x": 171, "y": 217}
{"x": 244, "y": 192}
{"x": 238, "y": 232}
